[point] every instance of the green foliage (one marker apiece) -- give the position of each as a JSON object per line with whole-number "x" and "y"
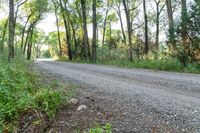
{"x": 22, "y": 90}
{"x": 98, "y": 129}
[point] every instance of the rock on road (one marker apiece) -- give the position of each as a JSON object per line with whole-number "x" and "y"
{"x": 151, "y": 101}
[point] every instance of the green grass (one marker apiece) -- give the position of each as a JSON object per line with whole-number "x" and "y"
{"x": 101, "y": 129}
{"x": 163, "y": 65}
{"x": 21, "y": 89}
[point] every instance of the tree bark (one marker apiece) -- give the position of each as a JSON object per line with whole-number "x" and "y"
{"x": 118, "y": 10}
{"x": 3, "y": 36}
{"x": 104, "y": 27}
{"x": 184, "y": 22}
{"x": 171, "y": 23}
{"x": 94, "y": 52}
{"x": 11, "y": 30}
{"x": 85, "y": 36}
{"x": 129, "y": 27}
{"x": 23, "y": 31}
{"x": 58, "y": 31}
{"x": 146, "y": 44}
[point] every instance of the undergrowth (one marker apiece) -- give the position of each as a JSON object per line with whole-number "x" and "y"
{"x": 21, "y": 89}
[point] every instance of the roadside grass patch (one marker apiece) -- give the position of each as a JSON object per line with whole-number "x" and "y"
{"x": 155, "y": 64}
{"x": 22, "y": 89}
{"x": 101, "y": 129}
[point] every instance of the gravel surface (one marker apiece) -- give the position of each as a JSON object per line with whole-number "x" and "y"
{"x": 148, "y": 100}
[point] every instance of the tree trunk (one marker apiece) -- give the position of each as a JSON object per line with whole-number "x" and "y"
{"x": 29, "y": 49}
{"x": 171, "y": 23}
{"x": 129, "y": 27}
{"x": 3, "y": 36}
{"x": 85, "y": 36}
{"x": 122, "y": 27}
{"x": 23, "y": 31}
{"x": 67, "y": 33}
{"x": 104, "y": 27}
{"x": 157, "y": 25}
{"x": 146, "y": 44}
{"x": 184, "y": 22}
{"x": 11, "y": 30}
{"x": 58, "y": 31}
{"x": 94, "y": 56}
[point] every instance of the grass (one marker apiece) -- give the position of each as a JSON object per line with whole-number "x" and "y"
{"x": 171, "y": 65}
{"x": 21, "y": 89}
{"x": 101, "y": 129}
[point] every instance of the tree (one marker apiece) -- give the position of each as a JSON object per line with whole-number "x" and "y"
{"x": 146, "y": 44}
{"x": 108, "y": 7}
{"x": 57, "y": 25}
{"x": 11, "y": 30}
{"x": 158, "y": 12}
{"x": 118, "y": 11}
{"x": 85, "y": 35}
{"x": 129, "y": 27}
{"x": 171, "y": 23}
{"x": 94, "y": 41}
{"x": 184, "y": 20}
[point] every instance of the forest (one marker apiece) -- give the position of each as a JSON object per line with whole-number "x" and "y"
{"x": 150, "y": 34}
{"x": 127, "y": 31}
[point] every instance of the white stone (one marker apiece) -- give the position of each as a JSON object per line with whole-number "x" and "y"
{"x": 81, "y": 107}
{"x": 73, "y": 101}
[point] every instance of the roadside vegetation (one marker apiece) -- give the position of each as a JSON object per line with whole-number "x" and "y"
{"x": 22, "y": 90}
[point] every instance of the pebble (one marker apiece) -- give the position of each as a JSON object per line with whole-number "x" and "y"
{"x": 73, "y": 101}
{"x": 81, "y": 107}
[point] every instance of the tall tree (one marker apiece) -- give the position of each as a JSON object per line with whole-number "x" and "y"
{"x": 108, "y": 7}
{"x": 129, "y": 27}
{"x": 3, "y": 36}
{"x": 118, "y": 11}
{"x": 57, "y": 25}
{"x": 184, "y": 22}
{"x": 146, "y": 43}
{"x": 85, "y": 35}
{"x": 94, "y": 41}
{"x": 158, "y": 12}
{"x": 11, "y": 30}
{"x": 171, "y": 23}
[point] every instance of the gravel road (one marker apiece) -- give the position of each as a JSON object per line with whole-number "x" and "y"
{"x": 148, "y": 100}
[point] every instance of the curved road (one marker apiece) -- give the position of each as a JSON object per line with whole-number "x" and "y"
{"x": 151, "y": 101}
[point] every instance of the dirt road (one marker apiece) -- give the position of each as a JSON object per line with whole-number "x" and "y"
{"x": 148, "y": 100}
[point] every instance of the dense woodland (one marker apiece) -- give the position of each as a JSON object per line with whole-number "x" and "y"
{"x": 147, "y": 29}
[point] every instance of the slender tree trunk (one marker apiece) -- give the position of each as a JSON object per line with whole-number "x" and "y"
{"x": 26, "y": 41}
{"x": 184, "y": 22}
{"x": 3, "y": 36}
{"x": 146, "y": 44}
{"x": 58, "y": 32}
{"x": 67, "y": 38}
{"x": 122, "y": 27}
{"x": 11, "y": 30}
{"x": 104, "y": 27}
{"x": 94, "y": 41}
{"x": 129, "y": 27}
{"x": 23, "y": 31}
{"x": 29, "y": 49}
{"x": 85, "y": 36}
{"x": 171, "y": 23}
{"x": 157, "y": 25}
{"x": 74, "y": 37}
